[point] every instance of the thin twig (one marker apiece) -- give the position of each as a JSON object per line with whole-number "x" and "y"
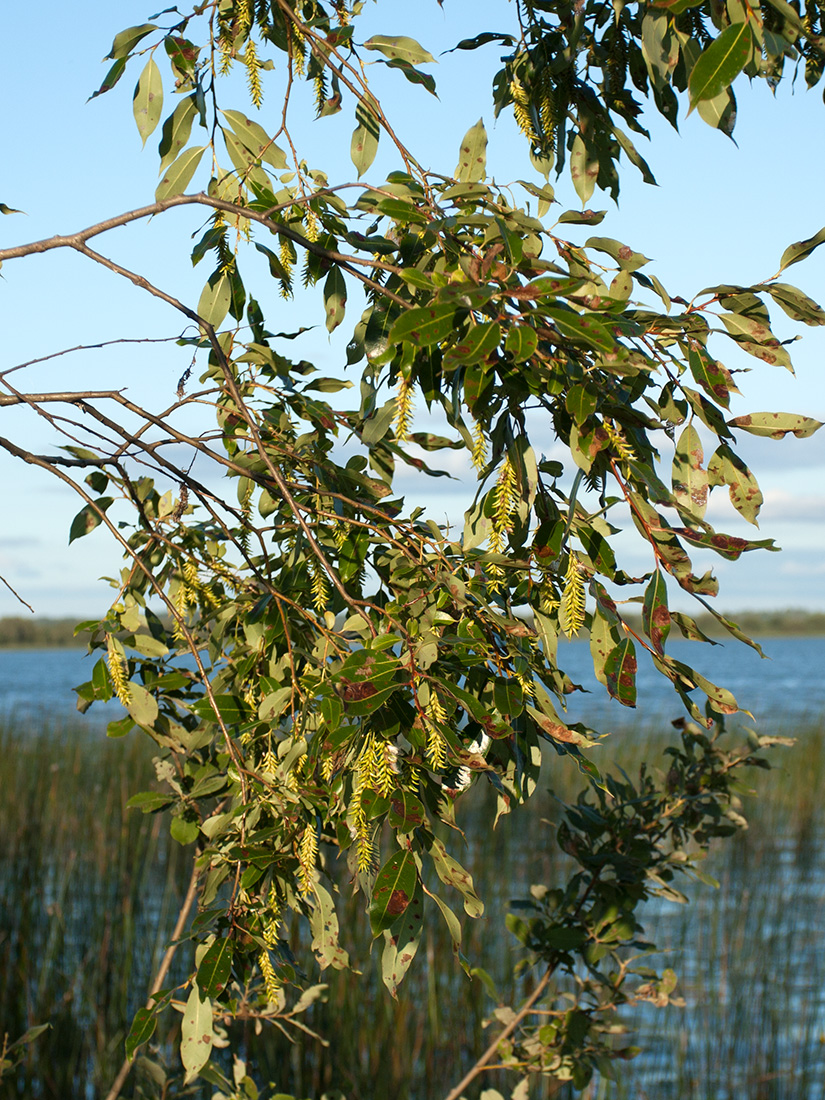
{"x": 160, "y": 976}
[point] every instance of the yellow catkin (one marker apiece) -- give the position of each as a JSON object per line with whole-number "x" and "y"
{"x": 548, "y": 595}
{"x": 573, "y": 598}
{"x": 271, "y": 983}
{"x": 521, "y": 108}
{"x": 253, "y": 73}
{"x": 436, "y": 752}
{"x": 479, "y": 446}
{"x": 320, "y": 586}
{"x": 311, "y": 231}
{"x": 504, "y": 503}
{"x": 297, "y": 50}
{"x": 287, "y": 257}
{"x": 117, "y": 671}
{"x": 269, "y": 761}
{"x": 618, "y": 443}
{"x": 528, "y": 688}
{"x": 307, "y": 855}
{"x": 341, "y": 12}
{"x": 404, "y": 409}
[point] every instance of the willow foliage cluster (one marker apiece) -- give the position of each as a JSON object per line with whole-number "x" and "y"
{"x": 340, "y": 668}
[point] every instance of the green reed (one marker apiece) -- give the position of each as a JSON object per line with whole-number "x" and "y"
{"x": 89, "y": 893}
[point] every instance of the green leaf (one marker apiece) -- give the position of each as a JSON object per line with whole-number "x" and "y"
{"x": 215, "y": 299}
{"x": 183, "y": 830}
{"x": 400, "y": 48}
{"x": 256, "y": 140}
{"x": 720, "y": 64}
{"x": 690, "y": 479}
{"x": 581, "y": 326}
{"x": 714, "y": 379}
{"x": 415, "y": 76}
{"x": 797, "y": 305}
{"x": 472, "y": 156}
{"x": 143, "y": 707}
{"x": 394, "y": 888}
{"x": 126, "y": 41}
{"x": 196, "y": 1034}
{"x": 364, "y": 145}
{"x": 176, "y": 131}
{"x": 147, "y": 103}
{"x": 726, "y": 468}
{"x": 406, "y": 812}
{"x": 231, "y": 709}
{"x": 655, "y": 613}
{"x": 178, "y": 175}
{"x": 141, "y": 1031}
{"x": 401, "y": 942}
{"x": 8, "y": 210}
{"x": 796, "y": 252}
{"x": 323, "y": 923}
{"x": 451, "y": 872}
{"x": 425, "y": 325}
{"x": 521, "y": 343}
{"x": 584, "y": 170}
{"x": 477, "y": 344}
{"x": 89, "y": 517}
{"x": 776, "y": 424}
{"x": 620, "y": 671}
{"x": 215, "y": 967}
{"x": 335, "y": 298}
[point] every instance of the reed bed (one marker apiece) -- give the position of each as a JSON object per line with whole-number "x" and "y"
{"x": 89, "y": 894}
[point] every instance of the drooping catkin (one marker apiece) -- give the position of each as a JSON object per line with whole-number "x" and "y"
{"x": 436, "y": 716}
{"x": 117, "y": 670}
{"x": 253, "y": 73}
{"x": 503, "y": 505}
{"x": 521, "y": 108}
{"x": 307, "y": 855}
{"x": 404, "y": 409}
{"x": 271, "y": 983}
{"x": 573, "y": 598}
{"x": 479, "y": 446}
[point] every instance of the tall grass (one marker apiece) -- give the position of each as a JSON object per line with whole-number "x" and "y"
{"x": 89, "y": 894}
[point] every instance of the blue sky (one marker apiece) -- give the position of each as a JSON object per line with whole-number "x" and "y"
{"x": 720, "y": 214}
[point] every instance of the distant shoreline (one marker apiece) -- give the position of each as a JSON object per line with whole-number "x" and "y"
{"x": 20, "y": 633}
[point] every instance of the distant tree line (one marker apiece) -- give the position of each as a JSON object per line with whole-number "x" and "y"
{"x": 18, "y": 633}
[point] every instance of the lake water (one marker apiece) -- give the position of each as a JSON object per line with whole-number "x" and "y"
{"x": 786, "y": 690}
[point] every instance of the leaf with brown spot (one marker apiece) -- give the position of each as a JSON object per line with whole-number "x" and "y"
{"x": 394, "y": 887}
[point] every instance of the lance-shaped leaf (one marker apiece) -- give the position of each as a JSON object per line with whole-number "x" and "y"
{"x": 216, "y": 964}
{"x": 472, "y": 156}
{"x": 256, "y": 140}
{"x": 196, "y": 1034}
{"x": 415, "y": 76}
{"x": 714, "y": 379}
{"x": 655, "y": 613}
{"x": 727, "y": 468}
{"x": 394, "y": 888}
{"x": 727, "y": 546}
{"x": 690, "y": 479}
{"x": 620, "y": 671}
{"x": 581, "y": 326}
{"x": 147, "y": 103}
{"x": 796, "y": 252}
{"x": 584, "y": 169}
{"x": 401, "y": 942}
{"x": 364, "y": 143}
{"x": 454, "y": 928}
{"x": 521, "y": 343}
{"x": 323, "y": 923}
{"x": 89, "y": 517}
{"x": 720, "y": 64}
{"x": 335, "y": 298}
{"x": 424, "y": 325}
{"x": 776, "y": 424}
{"x": 604, "y": 637}
{"x": 178, "y": 175}
{"x": 176, "y": 131}
{"x": 451, "y": 872}
{"x": 399, "y": 48}
{"x": 141, "y": 1031}
{"x": 126, "y": 40}
{"x": 215, "y": 299}
{"x": 797, "y": 305}
{"x": 477, "y": 344}
{"x": 406, "y": 812}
